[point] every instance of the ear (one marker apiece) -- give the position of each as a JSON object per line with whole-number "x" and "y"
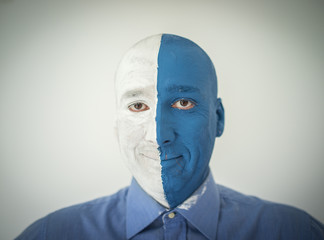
{"x": 220, "y": 118}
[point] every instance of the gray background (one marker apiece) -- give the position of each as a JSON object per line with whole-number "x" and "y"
{"x": 57, "y": 106}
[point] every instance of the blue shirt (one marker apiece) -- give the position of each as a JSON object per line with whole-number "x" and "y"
{"x": 212, "y": 212}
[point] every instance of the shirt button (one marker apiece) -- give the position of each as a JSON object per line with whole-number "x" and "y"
{"x": 171, "y": 215}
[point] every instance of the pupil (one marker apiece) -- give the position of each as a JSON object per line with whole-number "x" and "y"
{"x": 138, "y": 105}
{"x": 183, "y": 103}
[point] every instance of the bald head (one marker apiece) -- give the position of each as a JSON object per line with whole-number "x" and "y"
{"x": 179, "y": 57}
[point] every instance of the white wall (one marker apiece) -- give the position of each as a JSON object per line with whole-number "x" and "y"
{"x": 57, "y": 63}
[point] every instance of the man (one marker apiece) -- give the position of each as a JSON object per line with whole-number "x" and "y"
{"x": 168, "y": 118}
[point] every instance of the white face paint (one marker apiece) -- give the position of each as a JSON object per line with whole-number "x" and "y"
{"x": 186, "y": 205}
{"x": 136, "y": 82}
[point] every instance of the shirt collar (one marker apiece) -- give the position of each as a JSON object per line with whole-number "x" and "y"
{"x": 141, "y": 210}
{"x": 201, "y": 209}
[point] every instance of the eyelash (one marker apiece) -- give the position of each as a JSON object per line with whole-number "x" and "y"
{"x": 132, "y": 107}
{"x": 190, "y": 101}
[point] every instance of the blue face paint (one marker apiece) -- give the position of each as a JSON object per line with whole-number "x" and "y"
{"x": 185, "y": 137}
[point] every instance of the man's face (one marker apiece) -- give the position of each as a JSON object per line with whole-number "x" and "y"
{"x": 168, "y": 116}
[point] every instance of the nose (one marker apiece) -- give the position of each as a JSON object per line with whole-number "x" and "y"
{"x": 165, "y": 128}
{"x": 166, "y": 135}
{"x": 150, "y": 134}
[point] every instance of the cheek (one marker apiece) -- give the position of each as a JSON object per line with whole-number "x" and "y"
{"x": 130, "y": 132}
{"x": 194, "y": 129}
{"x": 136, "y": 128}
{"x": 197, "y": 137}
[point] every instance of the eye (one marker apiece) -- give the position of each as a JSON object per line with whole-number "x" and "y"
{"x": 138, "y": 107}
{"x": 183, "y": 104}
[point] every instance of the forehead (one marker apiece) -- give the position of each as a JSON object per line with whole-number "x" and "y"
{"x": 182, "y": 62}
{"x": 165, "y": 61}
{"x": 138, "y": 68}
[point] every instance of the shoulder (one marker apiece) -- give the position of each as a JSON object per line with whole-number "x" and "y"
{"x": 261, "y": 219}
{"x": 105, "y": 205}
{"x": 82, "y": 221}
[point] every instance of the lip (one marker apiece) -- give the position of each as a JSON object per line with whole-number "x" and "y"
{"x": 171, "y": 158}
{"x": 164, "y": 159}
{"x": 149, "y": 157}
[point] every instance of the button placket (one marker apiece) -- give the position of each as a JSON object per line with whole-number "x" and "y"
{"x": 174, "y": 226}
{"x": 171, "y": 215}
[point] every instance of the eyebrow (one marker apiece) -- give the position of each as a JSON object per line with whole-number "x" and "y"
{"x": 182, "y": 88}
{"x": 132, "y": 94}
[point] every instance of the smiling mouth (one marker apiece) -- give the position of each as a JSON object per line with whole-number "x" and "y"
{"x": 171, "y": 158}
{"x": 149, "y": 157}
{"x": 164, "y": 159}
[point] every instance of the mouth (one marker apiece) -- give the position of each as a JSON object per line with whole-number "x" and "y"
{"x": 149, "y": 157}
{"x": 171, "y": 158}
{"x": 167, "y": 158}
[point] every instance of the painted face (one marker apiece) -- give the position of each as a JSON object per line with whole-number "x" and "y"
{"x": 168, "y": 116}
